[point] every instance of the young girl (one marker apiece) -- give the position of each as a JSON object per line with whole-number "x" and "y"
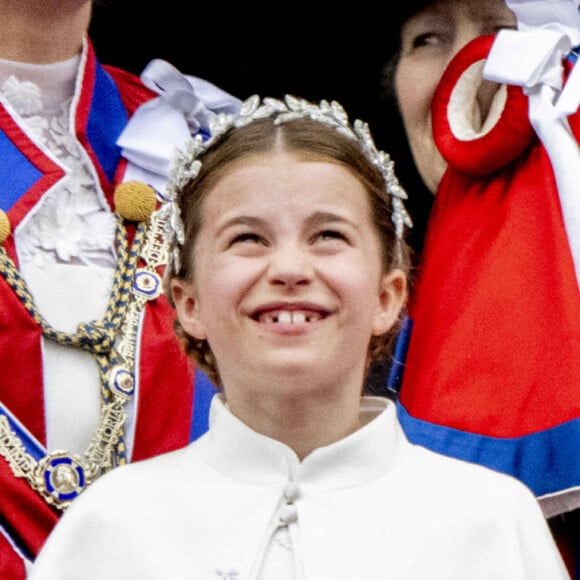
{"x": 288, "y": 277}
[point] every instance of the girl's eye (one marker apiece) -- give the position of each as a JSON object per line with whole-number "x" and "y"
{"x": 247, "y": 237}
{"x": 331, "y": 235}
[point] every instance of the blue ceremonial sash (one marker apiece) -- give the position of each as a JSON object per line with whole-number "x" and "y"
{"x": 106, "y": 119}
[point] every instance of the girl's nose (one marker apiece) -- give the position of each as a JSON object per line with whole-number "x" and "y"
{"x": 290, "y": 266}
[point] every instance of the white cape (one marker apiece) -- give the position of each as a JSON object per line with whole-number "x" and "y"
{"x": 370, "y": 506}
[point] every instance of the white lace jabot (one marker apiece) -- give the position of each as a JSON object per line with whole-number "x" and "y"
{"x": 72, "y": 224}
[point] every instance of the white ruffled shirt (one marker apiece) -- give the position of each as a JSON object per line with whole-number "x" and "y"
{"x": 369, "y": 506}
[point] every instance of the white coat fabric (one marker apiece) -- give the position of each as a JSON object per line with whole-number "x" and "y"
{"x": 371, "y": 506}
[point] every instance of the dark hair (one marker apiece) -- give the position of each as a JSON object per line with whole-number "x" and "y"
{"x": 311, "y": 140}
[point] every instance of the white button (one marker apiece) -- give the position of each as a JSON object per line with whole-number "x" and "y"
{"x": 288, "y": 514}
{"x": 292, "y": 491}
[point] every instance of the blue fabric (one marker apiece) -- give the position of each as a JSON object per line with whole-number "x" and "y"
{"x": 395, "y": 377}
{"x": 546, "y": 461}
{"x": 106, "y": 121}
{"x": 203, "y": 392}
{"x": 31, "y": 444}
{"x": 21, "y": 176}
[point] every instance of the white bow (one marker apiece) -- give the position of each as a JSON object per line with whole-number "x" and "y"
{"x": 185, "y": 106}
{"x": 532, "y": 56}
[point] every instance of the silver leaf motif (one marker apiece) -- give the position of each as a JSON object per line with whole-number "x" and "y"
{"x": 186, "y": 166}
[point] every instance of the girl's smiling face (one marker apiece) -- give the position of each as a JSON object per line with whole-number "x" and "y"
{"x": 288, "y": 277}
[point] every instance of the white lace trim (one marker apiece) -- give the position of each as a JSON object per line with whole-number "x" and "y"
{"x": 70, "y": 225}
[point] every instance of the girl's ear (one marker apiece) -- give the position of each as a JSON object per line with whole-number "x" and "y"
{"x": 392, "y": 297}
{"x": 187, "y": 308}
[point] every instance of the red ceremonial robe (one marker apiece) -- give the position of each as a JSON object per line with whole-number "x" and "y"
{"x": 492, "y": 372}
{"x": 106, "y": 98}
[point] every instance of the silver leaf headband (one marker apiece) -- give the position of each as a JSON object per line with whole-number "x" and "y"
{"x": 186, "y": 164}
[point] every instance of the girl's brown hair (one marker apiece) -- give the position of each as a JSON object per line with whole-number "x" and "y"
{"x": 311, "y": 140}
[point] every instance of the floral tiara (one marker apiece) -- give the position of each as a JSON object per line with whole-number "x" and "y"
{"x": 186, "y": 164}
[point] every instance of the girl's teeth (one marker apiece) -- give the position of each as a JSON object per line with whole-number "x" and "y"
{"x": 285, "y": 317}
{"x": 289, "y": 317}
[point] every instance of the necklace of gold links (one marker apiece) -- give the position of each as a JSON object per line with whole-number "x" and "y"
{"x": 60, "y": 476}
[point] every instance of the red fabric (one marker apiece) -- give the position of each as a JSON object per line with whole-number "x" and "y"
{"x": 24, "y": 512}
{"x": 163, "y": 422}
{"x": 21, "y": 378}
{"x": 495, "y": 343}
{"x": 133, "y": 93}
{"x": 496, "y": 337}
{"x": 504, "y": 143}
{"x": 165, "y": 402}
{"x": 11, "y": 565}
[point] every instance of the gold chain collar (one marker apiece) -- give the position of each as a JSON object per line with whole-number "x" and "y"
{"x": 60, "y": 476}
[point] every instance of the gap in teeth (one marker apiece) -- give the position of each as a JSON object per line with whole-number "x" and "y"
{"x": 288, "y": 317}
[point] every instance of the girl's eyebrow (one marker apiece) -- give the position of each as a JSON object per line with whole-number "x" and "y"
{"x": 240, "y": 220}
{"x": 318, "y": 218}
{"x": 324, "y": 217}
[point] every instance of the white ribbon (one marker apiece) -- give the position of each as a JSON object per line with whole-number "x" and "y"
{"x": 532, "y": 57}
{"x": 185, "y": 105}
{"x": 561, "y": 17}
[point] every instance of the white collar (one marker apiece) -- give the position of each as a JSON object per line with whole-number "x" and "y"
{"x": 233, "y": 448}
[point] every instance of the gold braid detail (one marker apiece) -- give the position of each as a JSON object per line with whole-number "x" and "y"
{"x": 99, "y": 338}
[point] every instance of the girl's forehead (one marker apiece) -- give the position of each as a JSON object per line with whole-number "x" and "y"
{"x": 279, "y": 164}
{"x": 278, "y": 171}
{"x": 280, "y": 183}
